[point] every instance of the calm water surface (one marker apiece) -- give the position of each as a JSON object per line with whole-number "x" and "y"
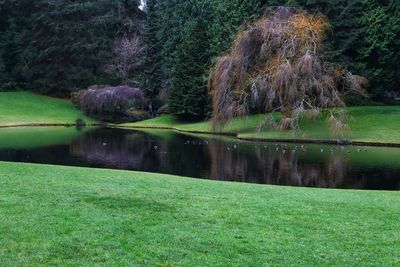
{"x": 207, "y": 157}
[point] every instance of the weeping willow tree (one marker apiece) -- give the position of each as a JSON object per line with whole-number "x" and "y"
{"x": 276, "y": 64}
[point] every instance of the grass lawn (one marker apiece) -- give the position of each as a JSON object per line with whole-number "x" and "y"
{"x": 24, "y": 108}
{"x": 367, "y": 124}
{"x": 77, "y": 216}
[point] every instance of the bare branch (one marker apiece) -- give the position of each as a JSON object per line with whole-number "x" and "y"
{"x": 275, "y": 64}
{"x": 128, "y": 55}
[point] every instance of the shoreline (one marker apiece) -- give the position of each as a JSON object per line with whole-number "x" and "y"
{"x": 271, "y": 140}
{"x": 231, "y": 134}
{"x": 50, "y": 125}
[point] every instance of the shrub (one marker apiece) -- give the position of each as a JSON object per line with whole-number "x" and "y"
{"x": 75, "y": 97}
{"x": 354, "y": 99}
{"x": 111, "y": 100}
{"x": 80, "y": 123}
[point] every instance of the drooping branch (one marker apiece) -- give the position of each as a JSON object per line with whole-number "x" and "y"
{"x": 276, "y": 64}
{"x": 111, "y": 100}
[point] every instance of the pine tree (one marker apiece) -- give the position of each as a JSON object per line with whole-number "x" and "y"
{"x": 151, "y": 83}
{"x": 9, "y": 56}
{"x": 172, "y": 17}
{"x": 188, "y": 94}
{"x": 64, "y": 45}
{"x": 379, "y": 54}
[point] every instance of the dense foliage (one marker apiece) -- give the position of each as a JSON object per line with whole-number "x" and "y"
{"x": 352, "y": 42}
{"x": 174, "y": 24}
{"x": 189, "y": 90}
{"x": 62, "y": 46}
{"x": 59, "y": 46}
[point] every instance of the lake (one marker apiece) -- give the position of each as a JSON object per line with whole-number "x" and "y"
{"x": 206, "y": 157}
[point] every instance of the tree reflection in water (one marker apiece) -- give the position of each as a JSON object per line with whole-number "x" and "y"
{"x": 217, "y": 159}
{"x": 117, "y": 149}
{"x": 285, "y": 166}
{"x": 222, "y": 158}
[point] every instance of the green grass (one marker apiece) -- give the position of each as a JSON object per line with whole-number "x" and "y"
{"x": 34, "y": 137}
{"x": 76, "y": 216}
{"x": 24, "y": 108}
{"x": 237, "y": 125}
{"x": 367, "y": 124}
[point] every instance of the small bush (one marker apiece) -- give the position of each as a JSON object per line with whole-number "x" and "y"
{"x": 354, "y": 99}
{"x": 80, "y": 123}
{"x": 76, "y": 97}
{"x": 112, "y": 101}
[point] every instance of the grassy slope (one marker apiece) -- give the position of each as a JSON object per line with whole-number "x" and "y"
{"x": 23, "y": 108}
{"x": 368, "y": 124}
{"x": 64, "y": 215}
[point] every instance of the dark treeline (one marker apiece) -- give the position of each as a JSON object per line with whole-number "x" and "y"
{"x": 58, "y": 46}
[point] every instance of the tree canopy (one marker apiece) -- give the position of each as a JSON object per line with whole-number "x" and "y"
{"x": 61, "y": 46}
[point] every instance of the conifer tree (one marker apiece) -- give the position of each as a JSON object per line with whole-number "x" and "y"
{"x": 188, "y": 95}
{"x": 151, "y": 83}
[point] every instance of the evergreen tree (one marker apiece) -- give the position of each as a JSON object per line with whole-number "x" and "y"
{"x": 151, "y": 83}
{"x": 63, "y": 45}
{"x": 10, "y": 48}
{"x": 379, "y": 54}
{"x": 189, "y": 92}
{"x": 59, "y": 46}
{"x": 226, "y": 19}
{"x": 173, "y": 16}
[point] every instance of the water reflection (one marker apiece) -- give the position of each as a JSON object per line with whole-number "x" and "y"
{"x": 277, "y": 164}
{"x": 223, "y": 158}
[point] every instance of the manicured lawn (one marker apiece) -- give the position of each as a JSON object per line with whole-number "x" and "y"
{"x": 76, "y": 216}
{"x": 247, "y": 124}
{"x": 24, "y": 108}
{"x": 367, "y": 124}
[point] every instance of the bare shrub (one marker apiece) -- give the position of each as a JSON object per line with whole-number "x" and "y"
{"x": 111, "y": 100}
{"x": 276, "y": 65}
{"x": 128, "y": 55}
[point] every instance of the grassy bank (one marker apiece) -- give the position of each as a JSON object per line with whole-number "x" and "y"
{"x": 379, "y": 124}
{"x": 63, "y": 215}
{"x": 24, "y": 108}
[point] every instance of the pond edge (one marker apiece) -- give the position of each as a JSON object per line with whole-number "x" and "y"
{"x": 231, "y": 134}
{"x": 270, "y": 140}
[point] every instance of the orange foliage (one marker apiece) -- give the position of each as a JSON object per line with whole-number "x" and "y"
{"x": 275, "y": 65}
